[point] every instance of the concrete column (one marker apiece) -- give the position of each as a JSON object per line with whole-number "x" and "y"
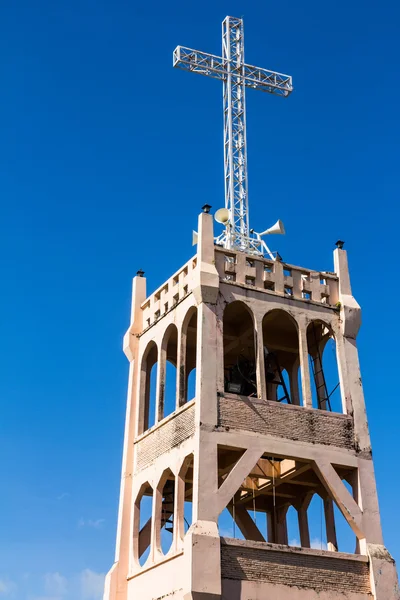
{"x": 261, "y": 383}
{"x": 270, "y": 528}
{"x": 304, "y": 366}
{"x": 294, "y": 383}
{"x": 155, "y": 551}
{"x": 179, "y": 510}
{"x": 181, "y": 385}
{"x": 277, "y": 526}
{"x": 303, "y": 527}
{"x": 330, "y": 525}
{"x": 202, "y": 542}
{"x": 161, "y": 371}
{"x": 281, "y": 526}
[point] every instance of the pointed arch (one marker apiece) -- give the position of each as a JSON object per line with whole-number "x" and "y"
{"x": 168, "y": 372}
{"x": 187, "y": 369}
{"x": 281, "y": 356}
{"x": 148, "y": 387}
{"x": 239, "y": 349}
{"x": 325, "y": 387}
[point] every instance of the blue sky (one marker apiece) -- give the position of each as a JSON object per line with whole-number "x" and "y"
{"x": 106, "y": 155}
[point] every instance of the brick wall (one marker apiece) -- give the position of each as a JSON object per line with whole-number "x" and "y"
{"x": 168, "y": 435}
{"x": 302, "y": 569}
{"x": 291, "y": 422}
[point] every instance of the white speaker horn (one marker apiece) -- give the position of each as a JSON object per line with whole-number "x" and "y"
{"x": 278, "y": 228}
{"x": 222, "y": 216}
{"x": 195, "y": 238}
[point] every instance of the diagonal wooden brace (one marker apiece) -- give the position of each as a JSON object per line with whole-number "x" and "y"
{"x": 246, "y": 524}
{"x": 235, "y": 479}
{"x": 346, "y": 503}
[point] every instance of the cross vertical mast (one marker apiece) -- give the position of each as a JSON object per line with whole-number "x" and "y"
{"x": 235, "y": 154}
{"x": 236, "y": 76}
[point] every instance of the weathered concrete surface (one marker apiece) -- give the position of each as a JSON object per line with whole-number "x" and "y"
{"x": 331, "y": 447}
{"x": 384, "y": 580}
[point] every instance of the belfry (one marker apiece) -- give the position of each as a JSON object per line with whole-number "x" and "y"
{"x": 245, "y": 410}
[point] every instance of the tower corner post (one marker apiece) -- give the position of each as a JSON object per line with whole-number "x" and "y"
{"x": 384, "y": 582}
{"x": 116, "y": 583}
{"x": 350, "y": 322}
{"x": 206, "y": 279}
{"x": 202, "y": 541}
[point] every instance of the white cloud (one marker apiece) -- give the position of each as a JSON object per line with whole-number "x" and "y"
{"x": 55, "y": 584}
{"x": 63, "y": 495}
{"x": 7, "y": 587}
{"x": 92, "y": 585}
{"x": 317, "y": 544}
{"x": 94, "y": 523}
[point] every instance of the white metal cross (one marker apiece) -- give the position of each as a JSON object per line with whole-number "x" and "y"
{"x": 236, "y": 76}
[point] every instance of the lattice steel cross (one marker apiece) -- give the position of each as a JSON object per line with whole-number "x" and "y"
{"x": 236, "y": 76}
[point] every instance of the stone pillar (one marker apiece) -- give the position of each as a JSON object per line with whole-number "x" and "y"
{"x": 294, "y": 383}
{"x": 304, "y": 366}
{"x": 281, "y": 525}
{"x": 202, "y": 542}
{"x": 161, "y": 375}
{"x": 331, "y": 538}
{"x": 261, "y": 383}
{"x": 181, "y": 375}
{"x": 303, "y": 527}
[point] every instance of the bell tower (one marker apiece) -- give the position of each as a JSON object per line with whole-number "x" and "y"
{"x": 236, "y": 423}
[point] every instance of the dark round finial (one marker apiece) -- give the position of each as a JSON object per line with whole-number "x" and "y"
{"x": 339, "y": 244}
{"x": 206, "y": 208}
{"x": 140, "y": 273}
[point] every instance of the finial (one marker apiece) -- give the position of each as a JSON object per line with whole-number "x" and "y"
{"x": 206, "y": 208}
{"x": 339, "y": 244}
{"x": 140, "y": 273}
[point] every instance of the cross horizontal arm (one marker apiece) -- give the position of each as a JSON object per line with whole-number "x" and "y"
{"x": 214, "y": 66}
{"x": 199, "y": 62}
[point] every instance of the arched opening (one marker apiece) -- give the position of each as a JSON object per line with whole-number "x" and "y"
{"x": 142, "y": 524}
{"x": 281, "y": 357}
{"x": 168, "y": 391}
{"x": 149, "y": 386}
{"x": 239, "y": 350}
{"x": 165, "y": 534}
{"x": 292, "y": 520}
{"x": 325, "y": 388}
{"x": 185, "y": 483}
{"x": 189, "y": 334}
{"x": 316, "y": 523}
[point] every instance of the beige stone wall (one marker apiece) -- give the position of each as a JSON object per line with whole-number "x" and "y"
{"x": 167, "y": 581}
{"x": 291, "y": 422}
{"x": 167, "y": 435}
{"x": 317, "y": 570}
{"x": 254, "y": 590}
